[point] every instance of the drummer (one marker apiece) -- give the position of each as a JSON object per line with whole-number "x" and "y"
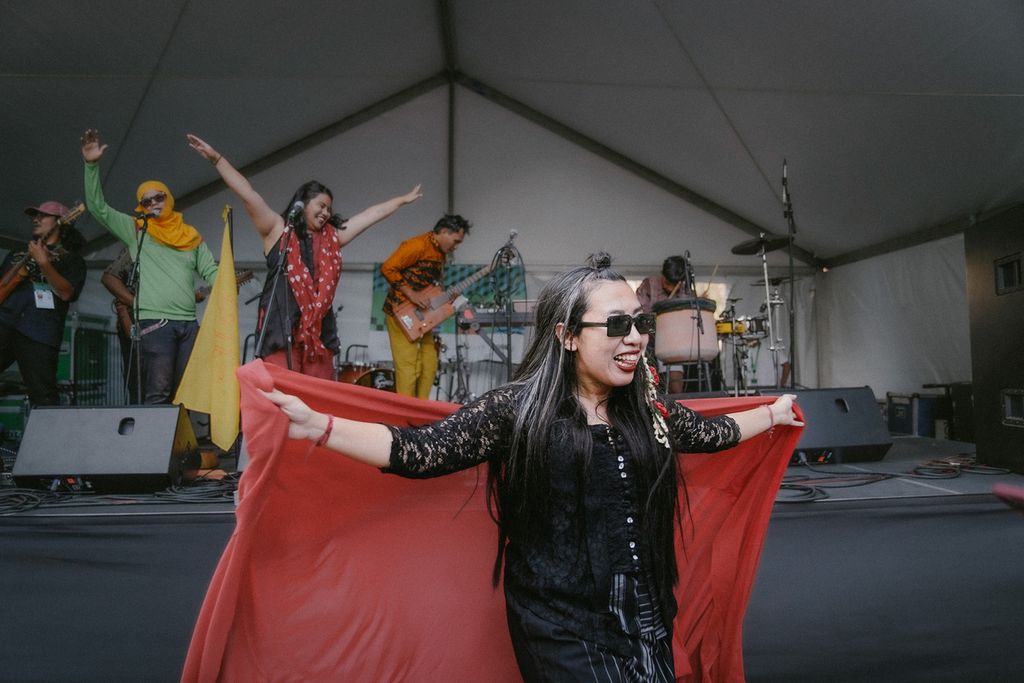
{"x": 672, "y": 283}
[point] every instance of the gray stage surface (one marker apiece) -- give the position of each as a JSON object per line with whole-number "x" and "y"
{"x": 905, "y": 579}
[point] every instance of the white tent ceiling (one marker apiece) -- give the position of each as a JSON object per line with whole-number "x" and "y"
{"x": 900, "y": 122}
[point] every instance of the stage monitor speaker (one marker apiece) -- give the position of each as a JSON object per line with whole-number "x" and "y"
{"x": 122, "y": 449}
{"x": 842, "y": 425}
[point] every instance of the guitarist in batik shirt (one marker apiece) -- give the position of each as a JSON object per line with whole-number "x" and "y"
{"x": 47, "y": 276}
{"x": 417, "y": 264}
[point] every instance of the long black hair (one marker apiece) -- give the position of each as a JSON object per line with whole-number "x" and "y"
{"x": 306, "y": 192}
{"x": 548, "y": 414}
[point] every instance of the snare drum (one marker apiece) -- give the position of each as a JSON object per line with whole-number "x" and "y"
{"x": 367, "y": 376}
{"x": 678, "y": 339}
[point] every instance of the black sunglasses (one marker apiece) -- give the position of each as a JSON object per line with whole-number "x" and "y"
{"x": 619, "y": 325}
{"x": 147, "y": 202}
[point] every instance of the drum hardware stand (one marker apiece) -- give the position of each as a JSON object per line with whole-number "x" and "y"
{"x": 773, "y": 346}
{"x": 738, "y": 353}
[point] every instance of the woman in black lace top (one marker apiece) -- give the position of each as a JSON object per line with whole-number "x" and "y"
{"x": 582, "y": 480}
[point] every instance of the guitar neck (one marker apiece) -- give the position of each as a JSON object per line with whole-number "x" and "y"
{"x": 459, "y": 287}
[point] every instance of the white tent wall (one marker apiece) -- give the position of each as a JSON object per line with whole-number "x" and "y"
{"x": 896, "y": 321}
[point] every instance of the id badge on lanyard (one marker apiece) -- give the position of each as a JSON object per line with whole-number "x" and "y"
{"x": 43, "y": 295}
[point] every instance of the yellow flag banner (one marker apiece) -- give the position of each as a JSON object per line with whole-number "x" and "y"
{"x": 209, "y": 384}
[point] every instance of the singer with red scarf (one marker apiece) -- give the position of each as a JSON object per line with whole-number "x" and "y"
{"x": 296, "y": 327}
{"x": 169, "y": 253}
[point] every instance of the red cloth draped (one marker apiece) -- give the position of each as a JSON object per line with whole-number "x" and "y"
{"x": 336, "y": 572}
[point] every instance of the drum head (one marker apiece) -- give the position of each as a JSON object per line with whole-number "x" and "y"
{"x": 669, "y": 305}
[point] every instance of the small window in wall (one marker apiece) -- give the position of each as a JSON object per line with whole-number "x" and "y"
{"x": 1013, "y": 407}
{"x": 1008, "y": 274}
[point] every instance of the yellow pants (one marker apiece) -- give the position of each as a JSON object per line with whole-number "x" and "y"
{"x": 415, "y": 362}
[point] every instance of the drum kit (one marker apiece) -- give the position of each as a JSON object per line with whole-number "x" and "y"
{"x": 744, "y": 333}
{"x": 687, "y": 331}
{"x": 360, "y": 371}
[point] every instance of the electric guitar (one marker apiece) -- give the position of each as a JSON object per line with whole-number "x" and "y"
{"x": 416, "y": 322}
{"x": 19, "y": 269}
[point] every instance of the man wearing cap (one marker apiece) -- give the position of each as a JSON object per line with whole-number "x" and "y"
{"x": 36, "y": 298}
{"x": 169, "y": 252}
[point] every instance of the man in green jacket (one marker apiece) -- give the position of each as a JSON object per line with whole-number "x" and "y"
{"x": 168, "y": 252}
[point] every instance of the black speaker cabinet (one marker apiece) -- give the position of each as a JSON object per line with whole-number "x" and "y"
{"x": 994, "y": 252}
{"x": 842, "y": 425}
{"x": 122, "y": 449}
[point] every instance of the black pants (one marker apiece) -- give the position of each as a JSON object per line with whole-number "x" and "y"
{"x": 547, "y": 652}
{"x": 37, "y": 362}
{"x": 166, "y": 347}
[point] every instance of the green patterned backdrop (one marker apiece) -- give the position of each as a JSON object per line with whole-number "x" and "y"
{"x": 481, "y": 294}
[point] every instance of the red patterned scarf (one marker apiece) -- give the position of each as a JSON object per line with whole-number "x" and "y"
{"x": 315, "y": 298}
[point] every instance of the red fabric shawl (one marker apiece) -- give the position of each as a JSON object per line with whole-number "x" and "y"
{"x": 336, "y": 572}
{"x": 314, "y": 298}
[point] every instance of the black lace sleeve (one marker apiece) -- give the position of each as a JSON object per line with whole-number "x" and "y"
{"x": 468, "y": 437}
{"x": 691, "y": 433}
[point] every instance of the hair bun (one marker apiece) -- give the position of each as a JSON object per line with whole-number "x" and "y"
{"x": 599, "y": 260}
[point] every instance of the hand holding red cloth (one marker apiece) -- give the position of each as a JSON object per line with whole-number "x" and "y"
{"x": 338, "y": 572}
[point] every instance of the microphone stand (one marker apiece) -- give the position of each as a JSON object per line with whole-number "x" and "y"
{"x": 135, "y": 355}
{"x": 787, "y": 213}
{"x": 284, "y": 317}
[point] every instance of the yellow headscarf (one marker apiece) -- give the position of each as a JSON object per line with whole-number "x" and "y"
{"x": 169, "y": 227}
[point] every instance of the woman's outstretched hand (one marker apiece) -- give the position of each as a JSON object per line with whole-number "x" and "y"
{"x": 782, "y": 411}
{"x": 203, "y": 148}
{"x": 413, "y": 195}
{"x": 304, "y": 422}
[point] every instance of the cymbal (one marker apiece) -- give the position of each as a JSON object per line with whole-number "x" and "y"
{"x": 754, "y": 246}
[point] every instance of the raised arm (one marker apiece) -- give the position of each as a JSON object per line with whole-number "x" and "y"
{"x": 375, "y": 214}
{"x": 120, "y": 224}
{"x": 269, "y": 224}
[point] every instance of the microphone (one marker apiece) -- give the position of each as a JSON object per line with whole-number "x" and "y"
{"x": 144, "y": 214}
{"x": 690, "y": 284}
{"x": 294, "y": 212}
{"x": 512, "y": 234}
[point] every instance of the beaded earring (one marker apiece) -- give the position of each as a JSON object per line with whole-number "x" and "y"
{"x": 658, "y": 410}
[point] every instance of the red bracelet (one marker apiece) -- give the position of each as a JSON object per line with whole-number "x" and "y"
{"x": 322, "y": 441}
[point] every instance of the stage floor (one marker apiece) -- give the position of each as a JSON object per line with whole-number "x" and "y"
{"x": 904, "y": 578}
